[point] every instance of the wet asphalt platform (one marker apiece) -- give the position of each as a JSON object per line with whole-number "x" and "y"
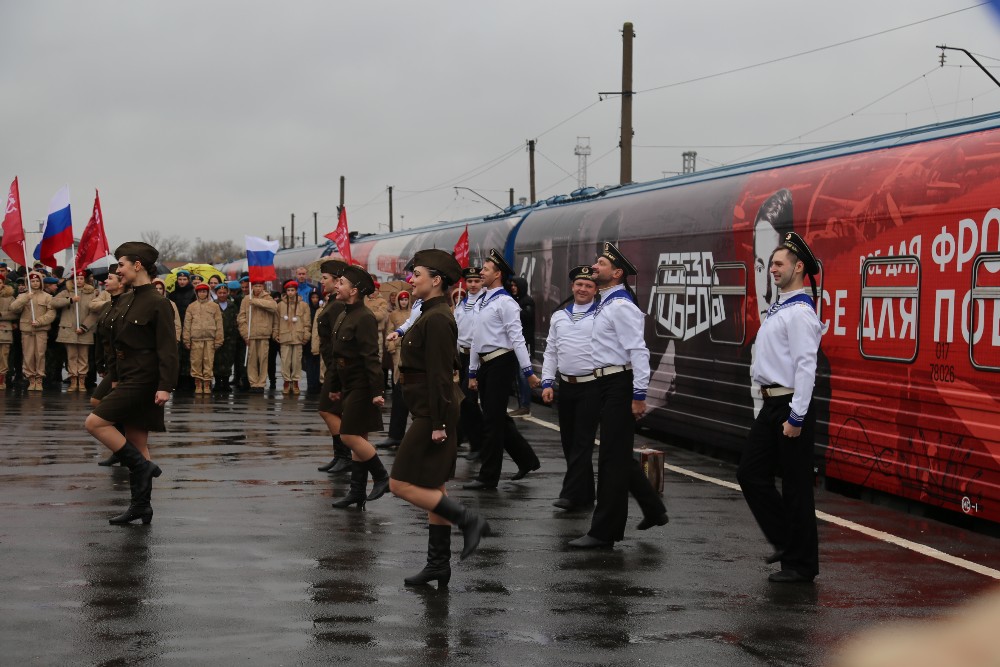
{"x": 246, "y": 563}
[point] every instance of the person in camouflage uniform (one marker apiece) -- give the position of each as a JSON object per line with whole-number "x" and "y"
{"x": 226, "y": 356}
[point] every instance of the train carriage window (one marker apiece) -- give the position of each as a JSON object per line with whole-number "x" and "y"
{"x": 728, "y": 303}
{"x": 890, "y": 308}
{"x": 670, "y": 300}
{"x": 983, "y": 315}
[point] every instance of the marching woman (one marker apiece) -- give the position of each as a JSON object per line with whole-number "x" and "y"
{"x": 75, "y": 327}
{"x": 144, "y": 372}
{"x": 104, "y": 306}
{"x": 37, "y": 316}
{"x": 357, "y": 382}
{"x": 425, "y": 459}
{"x": 329, "y": 410}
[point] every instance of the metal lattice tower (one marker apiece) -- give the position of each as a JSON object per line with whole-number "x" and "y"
{"x": 581, "y": 151}
{"x": 689, "y": 157}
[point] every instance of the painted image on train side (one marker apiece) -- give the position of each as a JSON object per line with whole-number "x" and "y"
{"x": 920, "y": 420}
{"x": 901, "y": 407}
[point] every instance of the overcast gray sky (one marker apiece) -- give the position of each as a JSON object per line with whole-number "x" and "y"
{"x": 218, "y": 119}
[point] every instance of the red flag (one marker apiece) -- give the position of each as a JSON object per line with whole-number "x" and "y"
{"x": 462, "y": 249}
{"x": 341, "y": 236}
{"x": 94, "y": 242}
{"x": 13, "y": 229}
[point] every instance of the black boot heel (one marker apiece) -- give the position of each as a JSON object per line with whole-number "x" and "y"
{"x": 438, "y": 566}
{"x": 359, "y": 480}
{"x": 131, "y": 514}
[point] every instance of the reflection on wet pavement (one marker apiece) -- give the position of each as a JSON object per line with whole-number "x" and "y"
{"x": 246, "y": 562}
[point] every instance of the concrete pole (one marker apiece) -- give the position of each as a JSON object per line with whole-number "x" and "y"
{"x": 531, "y": 167}
{"x": 626, "y": 141}
{"x": 293, "y": 232}
{"x": 390, "y": 209}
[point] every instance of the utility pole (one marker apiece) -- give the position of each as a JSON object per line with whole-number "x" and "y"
{"x": 282, "y": 236}
{"x": 512, "y": 196}
{"x": 341, "y": 194}
{"x": 971, "y": 57}
{"x": 626, "y": 167}
{"x": 390, "y": 209}
{"x": 303, "y": 239}
{"x": 315, "y": 229}
{"x": 625, "y": 144}
{"x": 293, "y": 231}
{"x": 531, "y": 167}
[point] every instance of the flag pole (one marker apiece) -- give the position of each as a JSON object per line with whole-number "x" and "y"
{"x": 76, "y": 290}
{"x": 27, "y": 280}
{"x": 246, "y": 353}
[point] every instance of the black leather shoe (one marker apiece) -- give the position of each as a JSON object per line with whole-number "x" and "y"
{"x": 327, "y": 467}
{"x": 388, "y": 443}
{"x": 110, "y": 461}
{"x": 478, "y": 486}
{"x": 523, "y": 472}
{"x": 472, "y": 456}
{"x": 648, "y": 522}
{"x": 775, "y": 557}
{"x": 789, "y": 577}
{"x": 588, "y": 542}
{"x": 563, "y": 503}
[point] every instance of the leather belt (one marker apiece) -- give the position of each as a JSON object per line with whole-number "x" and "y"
{"x": 611, "y": 370}
{"x": 465, "y": 350}
{"x": 490, "y": 356}
{"x": 406, "y": 377}
{"x": 774, "y": 392}
{"x": 576, "y": 379}
{"x": 122, "y": 354}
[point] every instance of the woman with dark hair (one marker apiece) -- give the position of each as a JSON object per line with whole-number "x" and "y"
{"x": 357, "y": 384}
{"x": 105, "y": 303}
{"x": 425, "y": 461}
{"x": 143, "y": 370}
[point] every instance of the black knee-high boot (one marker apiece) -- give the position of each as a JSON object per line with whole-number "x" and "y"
{"x": 110, "y": 461}
{"x": 473, "y": 526}
{"x": 438, "y": 566}
{"x": 380, "y": 477}
{"x": 140, "y": 480}
{"x": 341, "y": 461}
{"x": 359, "y": 480}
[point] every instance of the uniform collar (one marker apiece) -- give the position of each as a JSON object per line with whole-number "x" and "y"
{"x": 607, "y": 291}
{"x": 785, "y": 296}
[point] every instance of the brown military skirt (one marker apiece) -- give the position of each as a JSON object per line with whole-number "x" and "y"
{"x": 326, "y": 404}
{"x": 132, "y": 404}
{"x": 358, "y": 415}
{"x": 102, "y": 389}
{"x": 420, "y": 460}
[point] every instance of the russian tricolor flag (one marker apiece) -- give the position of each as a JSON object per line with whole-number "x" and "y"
{"x": 260, "y": 259}
{"x": 58, "y": 232}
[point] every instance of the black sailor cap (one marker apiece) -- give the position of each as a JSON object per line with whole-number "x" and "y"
{"x": 614, "y": 255}
{"x": 497, "y": 258}
{"x": 582, "y": 272}
{"x": 797, "y": 244}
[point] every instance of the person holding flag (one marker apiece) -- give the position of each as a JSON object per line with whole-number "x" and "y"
{"x": 37, "y": 315}
{"x": 75, "y": 327}
{"x": 258, "y": 312}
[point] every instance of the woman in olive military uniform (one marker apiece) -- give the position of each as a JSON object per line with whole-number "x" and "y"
{"x": 143, "y": 370}
{"x": 428, "y": 369}
{"x": 329, "y": 410}
{"x": 357, "y": 383}
{"x": 106, "y": 302}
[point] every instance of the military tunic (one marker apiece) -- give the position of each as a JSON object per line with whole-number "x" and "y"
{"x": 428, "y": 372}
{"x": 145, "y": 359}
{"x": 325, "y": 320}
{"x": 357, "y": 371}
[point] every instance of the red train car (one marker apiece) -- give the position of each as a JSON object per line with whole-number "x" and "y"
{"x": 907, "y": 227}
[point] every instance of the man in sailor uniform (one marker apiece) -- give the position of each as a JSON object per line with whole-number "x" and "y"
{"x": 782, "y": 435}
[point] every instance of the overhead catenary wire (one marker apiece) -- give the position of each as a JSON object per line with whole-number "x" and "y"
{"x": 808, "y": 51}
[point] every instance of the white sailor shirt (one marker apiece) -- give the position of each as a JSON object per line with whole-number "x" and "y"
{"x": 414, "y": 314}
{"x": 618, "y": 337}
{"x": 465, "y": 318}
{"x": 568, "y": 345}
{"x": 498, "y": 326}
{"x": 786, "y": 350}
